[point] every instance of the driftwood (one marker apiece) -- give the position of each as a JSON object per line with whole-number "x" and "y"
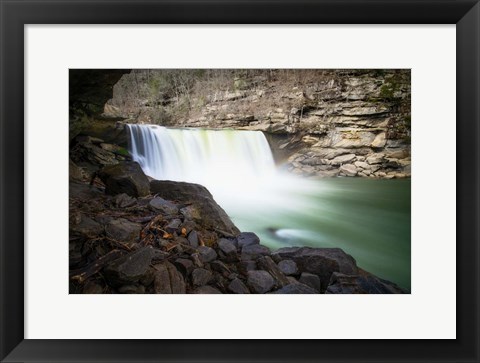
{"x": 81, "y": 274}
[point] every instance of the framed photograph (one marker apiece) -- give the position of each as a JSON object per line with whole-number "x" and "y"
{"x": 239, "y": 181}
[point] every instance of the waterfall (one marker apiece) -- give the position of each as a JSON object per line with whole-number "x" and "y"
{"x": 208, "y": 157}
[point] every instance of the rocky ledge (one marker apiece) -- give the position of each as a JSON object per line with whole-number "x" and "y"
{"x": 131, "y": 234}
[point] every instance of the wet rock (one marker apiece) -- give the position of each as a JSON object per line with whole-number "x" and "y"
{"x": 206, "y": 290}
{"x": 361, "y": 284}
{"x": 123, "y": 200}
{"x": 210, "y": 215}
{"x": 201, "y": 277}
{"x": 288, "y": 267}
{"x": 253, "y": 252}
{"x": 184, "y": 265}
{"x": 129, "y": 268}
{"x": 310, "y": 280}
{"x": 322, "y": 262}
{"x": 168, "y": 280}
{"x": 260, "y": 281}
{"x": 193, "y": 238}
{"x": 266, "y": 263}
{"x": 123, "y": 230}
{"x": 228, "y": 248}
{"x": 238, "y": 287}
{"x": 296, "y": 289}
{"x": 163, "y": 206}
{"x": 207, "y": 254}
{"x": 127, "y": 178}
{"x": 247, "y": 239}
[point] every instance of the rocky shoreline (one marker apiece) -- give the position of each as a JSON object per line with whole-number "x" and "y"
{"x": 132, "y": 234}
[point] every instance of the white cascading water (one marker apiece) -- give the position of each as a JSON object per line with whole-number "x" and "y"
{"x": 201, "y": 156}
{"x": 237, "y": 167}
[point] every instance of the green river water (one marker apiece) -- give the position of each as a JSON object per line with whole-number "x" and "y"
{"x": 369, "y": 219}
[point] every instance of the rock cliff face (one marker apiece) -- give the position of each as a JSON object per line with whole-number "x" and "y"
{"x": 89, "y": 90}
{"x": 318, "y": 122}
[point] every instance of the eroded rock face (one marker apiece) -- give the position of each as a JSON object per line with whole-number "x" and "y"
{"x": 127, "y": 177}
{"x": 204, "y": 209}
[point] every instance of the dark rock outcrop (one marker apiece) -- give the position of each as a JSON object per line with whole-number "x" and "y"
{"x": 127, "y": 177}
{"x": 361, "y": 284}
{"x": 206, "y": 211}
{"x": 322, "y": 262}
{"x": 130, "y": 268}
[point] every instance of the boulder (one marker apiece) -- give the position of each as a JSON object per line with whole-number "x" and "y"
{"x": 207, "y": 254}
{"x": 266, "y": 263}
{"x": 288, "y": 267}
{"x": 348, "y": 170}
{"x": 238, "y": 287}
{"x": 184, "y": 265}
{"x": 310, "y": 280}
{"x": 124, "y": 200}
{"x": 220, "y": 267}
{"x": 295, "y": 288}
{"x": 173, "y": 225}
{"x": 380, "y": 140}
{"x": 168, "y": 280}
{"x": 203, "y": 209}
{"x": 85, "y": 152}
{"x": 86, "y": 228}
{"x": 322, "y": 262}
{"x": 364, "y": 283}
{"x": 228, "y": 249}
{"x": 131, "y": 268}
{"x": 375, "y": 159}
{"x": 201, "y": 277}
{"x": 127, "y": 178}
{"x": 342, "y": 159}
{"x": 193, "y": 238}
{"x": 247, "y": 239}
{"x": 123, "y": 230}
{"x": 253, "y": 252}
{"x": 164, "y": 206}
{"x": 260, "y": 281}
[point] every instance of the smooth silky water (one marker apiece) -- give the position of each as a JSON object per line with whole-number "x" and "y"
{"x": 367, "y": 218}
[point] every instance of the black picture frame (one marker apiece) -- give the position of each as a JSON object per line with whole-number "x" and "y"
{"x": 15, "y": 14}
